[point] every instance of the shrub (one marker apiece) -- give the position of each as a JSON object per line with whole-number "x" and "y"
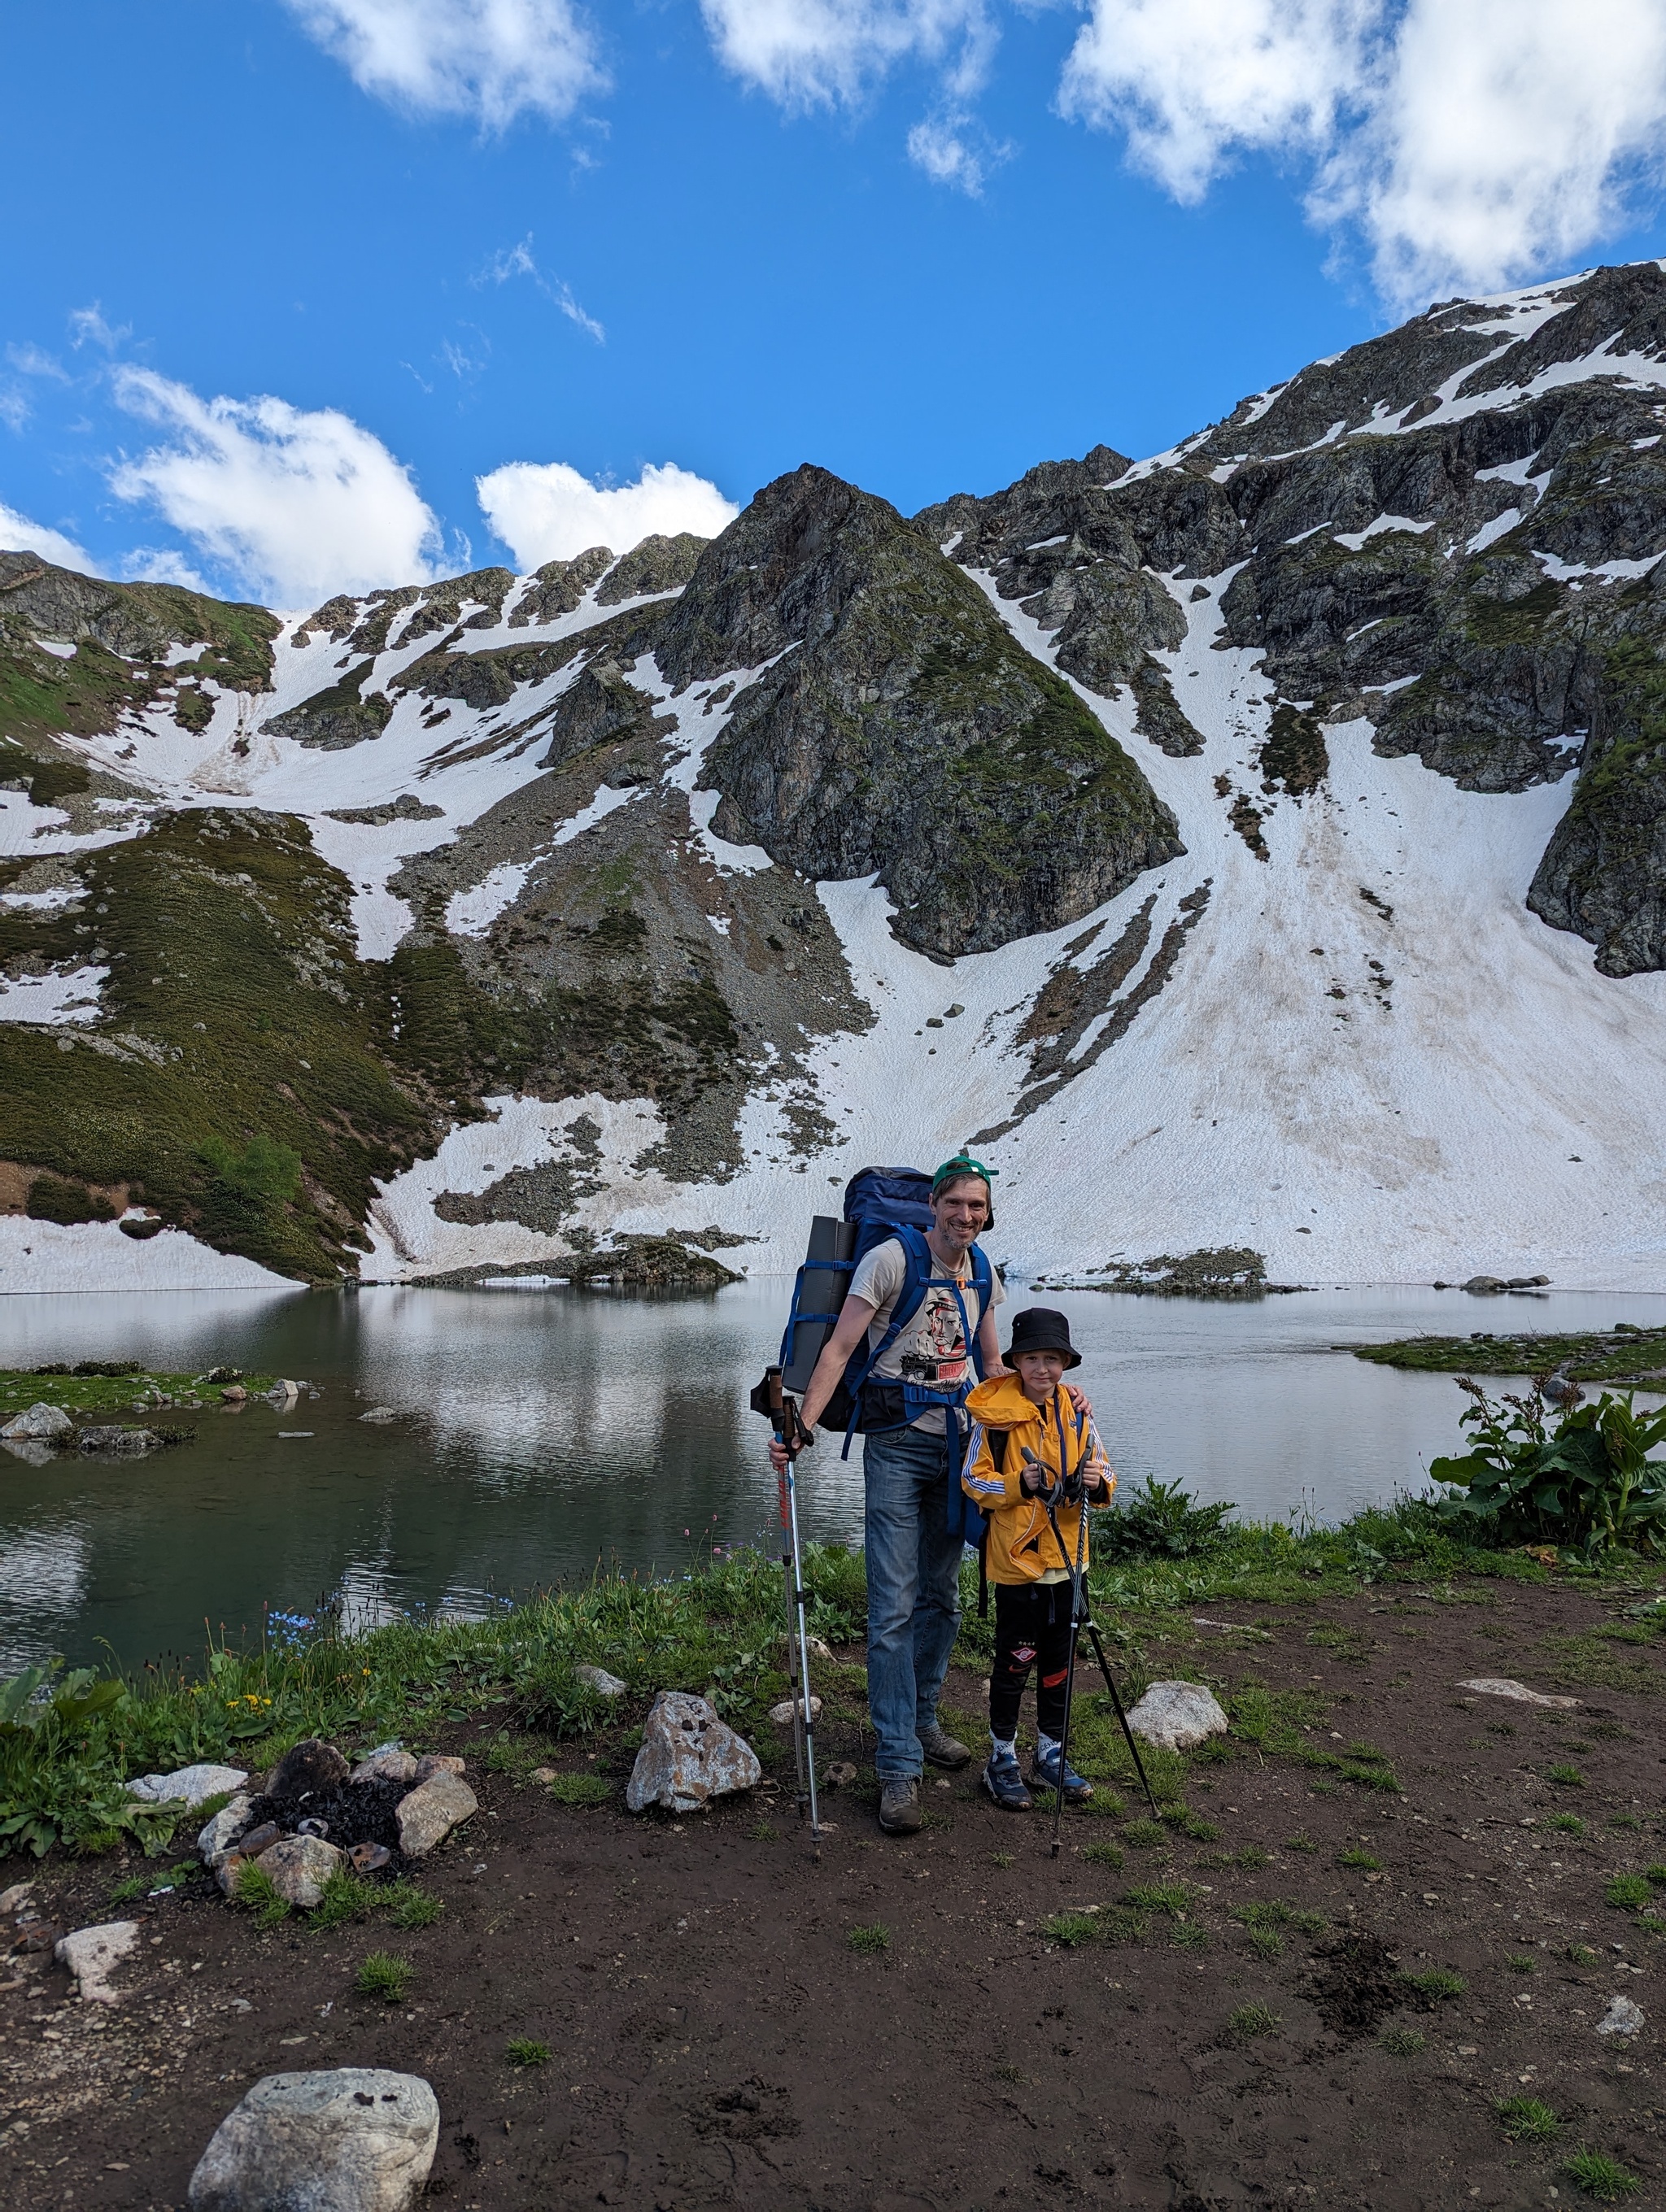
{"x": 1600, "y": 2176}
{"x": 1161, "y": 1521}
{"x": 1588, "y": 1485}
{"x": 260, "y": 1170}
{"x": 382, "y": 1975}
{"x": 56, "y": 1198}
{"x": 1526, "y": 2119}
{"x": 867, "y": 1943}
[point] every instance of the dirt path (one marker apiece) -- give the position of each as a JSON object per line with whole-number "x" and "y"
{"x": 716, "y": 2040}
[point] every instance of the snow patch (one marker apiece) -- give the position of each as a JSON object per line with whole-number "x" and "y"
{"x": 94, "y": 1255}
{"x": 70, "y": 996}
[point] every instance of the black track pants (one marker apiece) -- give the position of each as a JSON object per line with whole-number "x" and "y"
{"x": 1032, "y": 1629}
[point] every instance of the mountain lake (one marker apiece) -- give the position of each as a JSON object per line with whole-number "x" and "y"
{"x": 539, "y": 1433}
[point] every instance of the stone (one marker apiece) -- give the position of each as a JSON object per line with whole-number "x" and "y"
{"x": 235, "y": 1394}
{"x": 1178, "y": 1715}
{"x": 781, "y": 1715}
{"x": 187, "y": 1785}
{"x": 380, "y": 1413}
{"x": 122, "y": 1443}
{"x": 823, "y": 1653}
{"x": 689, "y": 1757}
{"x": 39, "y": 1424}
{"x": 14, "y": 1899}
{"x": 259, "y": 1840}
{"x": 604, "y": 1684}
{"x": 1489, "y": 1685}
{"x": 545, "y": 1774}
{"x": 1483, "y": 1286}
{"x": 840, "y": 1775}
{"x": 439, "y": 1762}
{"x": 1622, "y": 2018}
{"x": 428, "y": 1813}
{"x": 309, "y": 1768}
{"x": 92, "y": 1955}
{"x": 345, "y": 2139}
{"x": 224, "y": 1829}
{"x": 299, "y": 1867}
{"x": 388, "y": 1762}
{"x": 369, "y": 1858}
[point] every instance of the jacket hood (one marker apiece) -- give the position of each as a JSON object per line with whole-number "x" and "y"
{"x": 1001, "y": 1404}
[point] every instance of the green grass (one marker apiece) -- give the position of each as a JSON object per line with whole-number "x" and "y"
{"x": 1005, "y": 1859}
{"x": 409, "y": 1907}
{"x": 1188, "y": 1935}
{"x": 1599, "y": 2176}
{"x": 1527, "y": 2119}
{"x": 382, "y": 1974}
{"x": 107, "y": 1393}
{"x": 1629, "y": 1891}
{"x": 1253, "y": 2020}
{"x": 137, "y": 1886}
{"x": 346, "y": 1898}
{"x": 1362, "y": 1861}
{"x": 1402, "y": 2042}
{"x": 1109, "y": 1854}
{"x": 1300, "y": 1844}
{"x": 764, "y": 1832}
{"x": 1565, "y": 1777}
{"x": 255, "y": 1893}
{"x": 1272, "y": 1913}
{"x": 1520, "y": 1962}
{"x": 1657, "y": 1874}
{"x": 868, "y": 1942}
{"x": 1435, "y": 1986}
{"x": 580, "y": 1789}
{"x": 1581, "y": 1955}
{"x": 1146, "y": 1835}
{"x": 523, "y": 2050}
{"x": 1174, "y": 1897}
{"x": 1607, "y": 1356}
{"x": 1072, "y": 1929}
{"x": 1566, "y": 1823}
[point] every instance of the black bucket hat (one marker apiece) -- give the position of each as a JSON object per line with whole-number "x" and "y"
{"x": 1039, "y": 1328}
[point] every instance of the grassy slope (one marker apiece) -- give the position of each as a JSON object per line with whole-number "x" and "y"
{"x": 232, "y": 963}
{"x": 107, "y": 1394}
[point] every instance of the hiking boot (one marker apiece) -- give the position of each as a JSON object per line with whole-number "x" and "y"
{"x": 942, "y": 1749}
{"x": 900, "y": 1813}
{"x": 1045, "y": 1774}
{"x": 1001, "y": 1780}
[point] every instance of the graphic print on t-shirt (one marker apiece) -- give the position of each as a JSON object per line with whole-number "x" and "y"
{"x": 933, "y": 1351}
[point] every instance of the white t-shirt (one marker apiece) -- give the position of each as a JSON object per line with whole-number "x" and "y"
{"x": 932, "y": 1349}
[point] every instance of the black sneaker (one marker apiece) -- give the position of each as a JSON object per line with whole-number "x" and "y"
{"x": 1045, "y": 1774}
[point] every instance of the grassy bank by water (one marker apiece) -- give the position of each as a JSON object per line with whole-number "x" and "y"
{"x": 64, "y": 1759}
{"x": 117, "y": 1386}
{"x": 1624, "y": 1353}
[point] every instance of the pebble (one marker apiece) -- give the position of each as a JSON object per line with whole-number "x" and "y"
{"x": 380, "y": 1413}
{"x": 1490, "y": 1685}
{"x": 604, "y": 1684}
{"x": 428, "y": 1813}
{"x": 1622, "y": 2018}
{"x": 781, "y": 1715}
{"x": 345, "y": 2139}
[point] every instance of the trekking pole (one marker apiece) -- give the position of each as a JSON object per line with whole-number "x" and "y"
{"x": 784, "y": 1416}
{"x": 1076, "y": 1581}
{"x": 1081, "y": 1618}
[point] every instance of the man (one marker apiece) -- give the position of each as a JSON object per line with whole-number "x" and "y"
{"x": 911, "y": 1454}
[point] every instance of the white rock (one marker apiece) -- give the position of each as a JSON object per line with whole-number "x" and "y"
{"x": 187, "y": 1785}
{"x": 689, "y": 1757}
{"x": 428, "y": 1813}
{"x": 1178, "y": 1715}
{"x": 351, "y": 2139}
{"x": 299, "y": 1867}
{"x": 439, "y": 1762}
{"x": 1622, "y": 2018}
{"x": 18, "y": 1895}
{"x": 1490, "y": 1685}
{"x": 380, "y": 1413}
{"x": 40, "y": 1422}
{"x": 389, "y": 1762}
{"x": 92, "y": 1955}
{"x": 223, "y": 1830}
{"x": 781, "y": 1715}
{"x": 604, "y": 1684}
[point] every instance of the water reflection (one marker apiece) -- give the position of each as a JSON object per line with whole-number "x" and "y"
{"x": 541, "y": 1433}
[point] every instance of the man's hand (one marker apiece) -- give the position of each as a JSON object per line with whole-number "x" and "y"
{"x": 1080, "y": 1399}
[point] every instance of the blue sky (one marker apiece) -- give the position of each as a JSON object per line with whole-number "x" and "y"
{"x": 449, "y": 236}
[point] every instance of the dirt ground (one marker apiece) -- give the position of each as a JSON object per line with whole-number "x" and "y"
{"x": 717, "y": 2040}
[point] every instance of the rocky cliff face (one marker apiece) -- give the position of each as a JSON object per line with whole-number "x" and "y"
{"x": 1231, "y": 817}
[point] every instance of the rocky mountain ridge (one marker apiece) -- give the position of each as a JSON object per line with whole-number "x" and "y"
{"x": 521, "y": 921}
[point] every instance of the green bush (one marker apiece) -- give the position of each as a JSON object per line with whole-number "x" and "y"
{"x": 1161, "y": 1521}
{"x": 55, "y": 1198}
{"x": 1588, "y": 1485}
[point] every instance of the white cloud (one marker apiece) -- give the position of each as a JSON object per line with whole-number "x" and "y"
{"x": 14, "y": 408}
{"x": 952, "y": 149}
{"x": 517, "y": 261}
{"x": 34, "y": 362}
{"x": 19, "y": 535}
{"x": 821, "y": 54}
{"x": 1473, "y": 143}
{"x": 490, "y": 59}
{"x": 546, "y": 511}
{"x": 1507, "y": 138}
{"x": 297, "y": 504}
{"x": 90, "y": 329}
{"x": 161, "y": 564}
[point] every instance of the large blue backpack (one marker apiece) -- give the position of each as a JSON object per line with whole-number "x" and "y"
{"x": 881, "y": 1204}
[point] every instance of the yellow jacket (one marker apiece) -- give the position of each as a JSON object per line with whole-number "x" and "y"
{"x": 1021, "y": 1548}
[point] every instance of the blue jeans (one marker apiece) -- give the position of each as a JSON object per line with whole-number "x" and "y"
{"x": 913, "y": 1590}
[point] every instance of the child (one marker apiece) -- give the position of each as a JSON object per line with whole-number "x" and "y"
{"x": 1029, "y": 1434}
